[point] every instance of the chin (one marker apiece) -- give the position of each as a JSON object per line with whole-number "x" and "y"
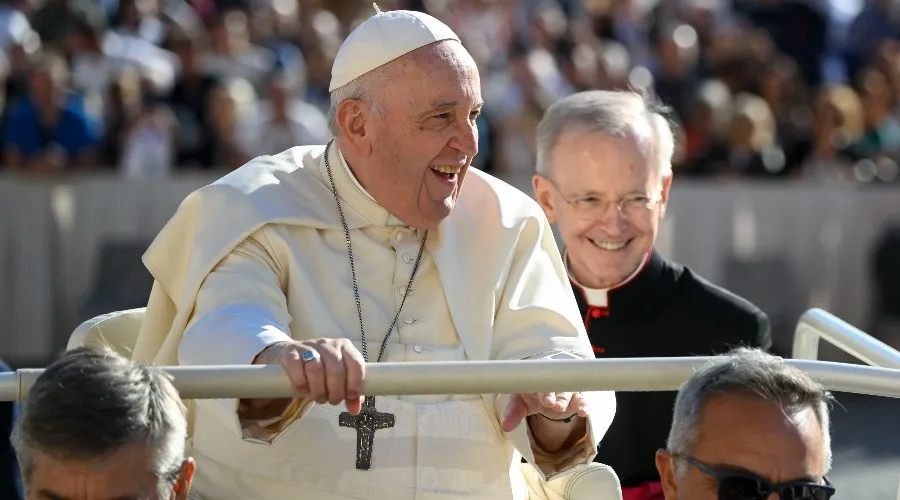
{"x": 441, "y": 210}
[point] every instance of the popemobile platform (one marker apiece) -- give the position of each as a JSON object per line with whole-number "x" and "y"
{"x": 879, "y": 375}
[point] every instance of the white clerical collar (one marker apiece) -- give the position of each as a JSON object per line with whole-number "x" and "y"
{"x": 599, "y": 297}
{"x": 353, "y": 177}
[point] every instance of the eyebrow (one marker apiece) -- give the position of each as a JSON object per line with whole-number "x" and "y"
{"x": 439, "y": 105}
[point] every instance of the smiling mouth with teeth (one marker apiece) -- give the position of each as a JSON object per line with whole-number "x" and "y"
{"x": 609, "y": 245}
{"x": 446, "y": 169}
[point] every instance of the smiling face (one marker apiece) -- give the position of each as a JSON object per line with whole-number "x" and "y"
{"x": 413, "y": 160}
{"x": 744, "y": 433}
{"x": 604, "y": 246}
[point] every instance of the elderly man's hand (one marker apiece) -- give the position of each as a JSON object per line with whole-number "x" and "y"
{"x": 324, "y": 370}
{"x": 553, "y": 405}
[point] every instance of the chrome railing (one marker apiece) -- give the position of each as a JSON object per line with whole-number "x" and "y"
{"x": 488, "y": 377}
{"x": 816, "y": 324}
{"x": 882, "y": 378}
{"x": 503, "y": 377}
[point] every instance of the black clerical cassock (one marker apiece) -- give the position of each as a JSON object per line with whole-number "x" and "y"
{"x": 664, "y": 310}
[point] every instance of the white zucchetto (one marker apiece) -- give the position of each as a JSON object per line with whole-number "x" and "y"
{"x": 383, "y": 38}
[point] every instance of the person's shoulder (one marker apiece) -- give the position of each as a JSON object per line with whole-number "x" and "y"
{"x": 293, "y": 167}
{"x": 733, "y": 313}
{"x": 714, "y": 295}
{"x": 486, "y": 194}
{"x": 274, "y": 186}
{"x": 20, "y": 108}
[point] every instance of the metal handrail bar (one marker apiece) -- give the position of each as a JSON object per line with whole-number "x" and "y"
{"x": 487, "y": 377}
{"x": 817, "y": 324}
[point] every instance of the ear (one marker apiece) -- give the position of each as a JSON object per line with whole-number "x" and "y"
{"x": 353, "y": 117}
{"x": 664, "y": 465}
{"x": 542, "y": 194}
{"x": 183, "y": 486}
{"x": 664, "y": 195}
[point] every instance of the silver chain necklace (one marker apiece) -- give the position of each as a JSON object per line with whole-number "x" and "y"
{"x": 369, "y": 418}
{"x": 362, "y": 330}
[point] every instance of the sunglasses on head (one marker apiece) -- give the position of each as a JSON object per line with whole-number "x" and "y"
{"x": 745, "y": 486}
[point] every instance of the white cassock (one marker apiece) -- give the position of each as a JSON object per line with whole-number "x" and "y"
{"x": 260, "y": 257}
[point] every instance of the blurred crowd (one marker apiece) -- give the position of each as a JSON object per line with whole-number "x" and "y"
{"x": 757, "y": 88}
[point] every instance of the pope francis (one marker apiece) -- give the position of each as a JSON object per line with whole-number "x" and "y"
{"x": 324, "y": 258}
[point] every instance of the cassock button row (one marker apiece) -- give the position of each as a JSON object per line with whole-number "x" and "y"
{"x": 417, "y": 348}
{"x": 407, "y": 258}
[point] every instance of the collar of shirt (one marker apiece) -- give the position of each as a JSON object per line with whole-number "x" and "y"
{"x": 599, "y": 297}
{"x": 356, "y": 196}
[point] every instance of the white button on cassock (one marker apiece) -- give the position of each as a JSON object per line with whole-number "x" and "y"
{"x": 407, "y": 258}
{"x": 417, "y": 348}
{"x": 409, "y": 320}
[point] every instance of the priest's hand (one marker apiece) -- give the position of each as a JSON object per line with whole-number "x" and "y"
{"x": 325, "y": 370}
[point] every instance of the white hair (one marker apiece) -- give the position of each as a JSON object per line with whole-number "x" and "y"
{"x": 611, "y": 113}
{"x": 91, "y": 402}
{"x": 366, "y": 88}
{"x": 748, "y": 371}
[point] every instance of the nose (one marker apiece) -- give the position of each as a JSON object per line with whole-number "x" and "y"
{"x": 465, "y": 138}
{"x": 611, "y": 219}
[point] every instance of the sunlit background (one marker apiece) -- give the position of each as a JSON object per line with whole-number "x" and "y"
{"x": 786, "y": 191}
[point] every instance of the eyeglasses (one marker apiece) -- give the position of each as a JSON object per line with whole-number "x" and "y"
{"x": 744, "y": 486}
{"x": 632, "y": 206}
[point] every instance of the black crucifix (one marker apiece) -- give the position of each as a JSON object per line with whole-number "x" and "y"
{"x": 366, "y": 423}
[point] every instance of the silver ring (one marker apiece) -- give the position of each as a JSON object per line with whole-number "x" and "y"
{"x": 310, "y": 355}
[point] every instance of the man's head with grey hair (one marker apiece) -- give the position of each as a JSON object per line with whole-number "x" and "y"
{"x": 754, "y": 421}
{"x": 598, "y": 151}
{"x": 97, "y": 424}
{"x": 614, "y": 113}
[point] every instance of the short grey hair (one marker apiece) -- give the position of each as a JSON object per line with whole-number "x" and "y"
{"x": 366, "y": 88}
{"x": 91, "y": 402}
{"x": 749, "y": 371}
{"x": 612, "y": 113}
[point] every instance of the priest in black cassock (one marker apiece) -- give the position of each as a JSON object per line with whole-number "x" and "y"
{"x": 603, "y": 177}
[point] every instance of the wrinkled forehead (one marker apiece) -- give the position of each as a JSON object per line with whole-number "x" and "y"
{"x": 125, "y": 475}
{"x": 760, "y": 436}
{"x": 587, "y": 156}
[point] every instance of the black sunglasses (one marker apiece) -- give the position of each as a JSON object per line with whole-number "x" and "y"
{"x": 744, "y": 486}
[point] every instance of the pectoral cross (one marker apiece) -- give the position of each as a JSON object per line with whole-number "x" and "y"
{"x": 366, "y": 423}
